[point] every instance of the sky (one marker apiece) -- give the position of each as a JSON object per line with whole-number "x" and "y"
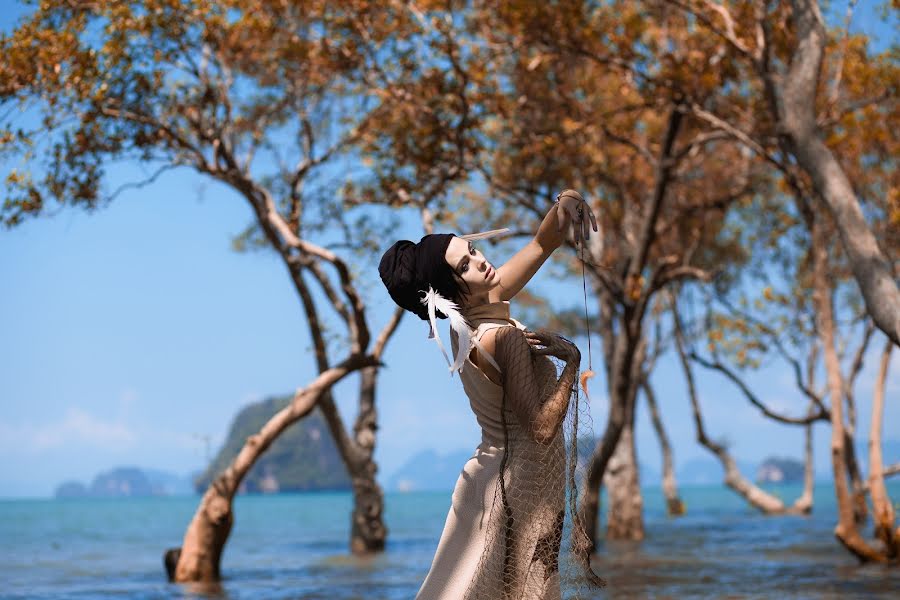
{"x": 132, "y": 336}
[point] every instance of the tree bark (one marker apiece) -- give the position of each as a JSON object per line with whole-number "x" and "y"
{"x": 200, "y": 554}
{"x": 624, "y": 518}
{"x": 871, "y": 269}
{"x": 882, "y": 508}
{"x": 674, "y": 506}
{"x": 367, "y": 531}
{"x": 857, "y": 484}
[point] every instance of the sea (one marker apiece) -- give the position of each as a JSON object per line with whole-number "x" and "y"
{"x": 290, "y": 546}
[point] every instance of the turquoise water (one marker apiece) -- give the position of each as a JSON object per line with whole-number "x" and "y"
{"x": 295, "y": 546}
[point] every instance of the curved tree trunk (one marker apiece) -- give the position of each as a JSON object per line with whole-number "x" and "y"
{"x": 674, "y": 506}
{"x": 846, "y": 531}
{"x": 872, "y": 271}
{"x": 882, "y": 508}
{"x": 199, "y": 557}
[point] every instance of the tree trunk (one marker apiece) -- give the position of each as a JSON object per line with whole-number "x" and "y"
{"x": 199, "y": 557}
{"x": 674, "y": 506}
{"x": 624, "y": 362}
{"x": 882, "y": 509}
{"x": 804, "y": 503}
{"x": 872, "y": 271}
{"x": 627, "y": 360}
{"x": 857, "y": 485}
{"x": 846, "y": 531}
{"x": 624, "y": 518}
{"x": 615, "y": 422}
{"x": 367, "y": 532}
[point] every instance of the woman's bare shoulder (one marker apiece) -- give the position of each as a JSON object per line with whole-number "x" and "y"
{"x": 489, "y": 340}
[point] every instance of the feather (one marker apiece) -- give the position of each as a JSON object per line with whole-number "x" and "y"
{"x": 474, "y": 237}
{"x": 434, "y": 301}
{"x": 585, "y": 375}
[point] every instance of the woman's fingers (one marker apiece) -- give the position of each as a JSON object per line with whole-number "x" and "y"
{"x": 574, "y": 212}
{"x": 591, "y": 216}
{"x": 554, "y": 352}
{"x": 564, "y": 213}
{"x": 570, "y": 194}
{"x": 539, "y": 337}
{"x": 576, "y": 223}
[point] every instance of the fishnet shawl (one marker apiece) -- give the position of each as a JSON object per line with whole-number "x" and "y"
{"x": 534, "y": 548}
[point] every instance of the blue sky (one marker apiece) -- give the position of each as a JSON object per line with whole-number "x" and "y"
{"x": 133, "y": 334}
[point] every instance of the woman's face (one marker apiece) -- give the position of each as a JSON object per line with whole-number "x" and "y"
{"x": 471, "y": 267}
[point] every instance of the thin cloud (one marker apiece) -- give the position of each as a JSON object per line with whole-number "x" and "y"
{"x": 77, "y": 428}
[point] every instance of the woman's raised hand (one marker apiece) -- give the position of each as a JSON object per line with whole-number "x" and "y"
{"x": 573, "y": 209}
{"x": 545, "y": 343}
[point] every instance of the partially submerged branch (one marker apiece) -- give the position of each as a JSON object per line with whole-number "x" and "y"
{"x": 757, "y": 497}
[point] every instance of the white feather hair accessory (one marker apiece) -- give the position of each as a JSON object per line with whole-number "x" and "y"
{"x": 474, "y": 237}
{"x": 466, "y": 341}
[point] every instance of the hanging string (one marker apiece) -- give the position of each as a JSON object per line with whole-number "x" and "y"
{"x": 587, "y": 322}
{"x": 581, "y": 544}
{"x": 585, "y": 375}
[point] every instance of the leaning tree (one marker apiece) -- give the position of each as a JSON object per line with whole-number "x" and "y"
{"x": 272, "y": 99}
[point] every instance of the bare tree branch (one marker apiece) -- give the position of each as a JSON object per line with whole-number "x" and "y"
{"x": 728, "y": 34}
{"x": 140, "y": 184}
{"x": 716, "y": 365}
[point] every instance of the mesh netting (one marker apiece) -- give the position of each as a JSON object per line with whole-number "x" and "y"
{"x": 533, "y": 548}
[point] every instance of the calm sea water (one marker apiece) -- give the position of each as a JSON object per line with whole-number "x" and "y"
{"x": 295, "y": 546}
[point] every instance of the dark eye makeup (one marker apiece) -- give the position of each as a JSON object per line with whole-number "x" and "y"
{"x": 465, "y": 266}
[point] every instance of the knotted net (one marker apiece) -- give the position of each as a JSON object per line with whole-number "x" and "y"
{"x": 535, "y": 547}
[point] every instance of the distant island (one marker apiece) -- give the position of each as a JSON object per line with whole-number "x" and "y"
{"x": 780, "y": 470}
{"x": 303, "y": 458}
{"x": 123, "y": 482}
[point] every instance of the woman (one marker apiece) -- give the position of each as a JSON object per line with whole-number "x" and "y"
{"x": 502, "y": 535}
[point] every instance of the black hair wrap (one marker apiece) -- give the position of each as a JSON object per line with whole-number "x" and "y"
{"x": 409, "y": 269}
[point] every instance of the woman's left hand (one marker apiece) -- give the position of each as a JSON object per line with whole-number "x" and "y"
{"x": 572, "y": 209}
{"x": 545, "y": 343}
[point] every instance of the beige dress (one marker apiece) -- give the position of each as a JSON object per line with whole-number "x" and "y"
{"x": 491, "y": 548}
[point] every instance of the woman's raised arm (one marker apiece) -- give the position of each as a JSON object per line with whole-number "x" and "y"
{"x": 518, "y": 270}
